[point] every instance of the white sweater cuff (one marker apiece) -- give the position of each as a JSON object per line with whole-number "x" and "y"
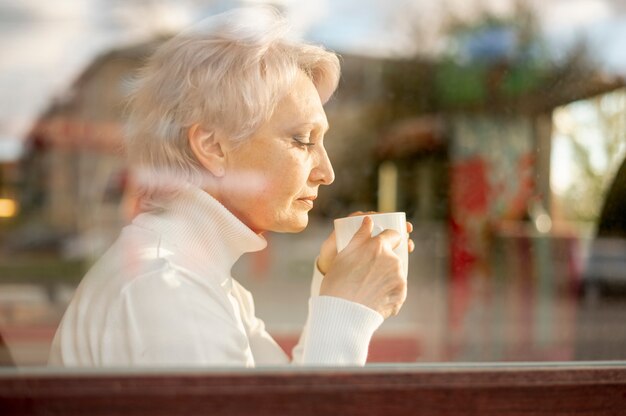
{"x": 339, "y": 331}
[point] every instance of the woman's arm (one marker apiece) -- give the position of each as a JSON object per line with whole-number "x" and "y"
{"x": 337, "y": 331}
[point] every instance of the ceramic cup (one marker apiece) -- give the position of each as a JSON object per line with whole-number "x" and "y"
{"x": 346, "y": 227}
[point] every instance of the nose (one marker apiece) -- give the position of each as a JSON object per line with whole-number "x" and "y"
{"x": 322, "y": 173}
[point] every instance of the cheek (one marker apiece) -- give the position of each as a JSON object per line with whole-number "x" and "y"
{"x": 244, "y": 183}
{"x": 287, "y": 175}
{"x": 273, "y": 182}
{"x": 298, "y": 169}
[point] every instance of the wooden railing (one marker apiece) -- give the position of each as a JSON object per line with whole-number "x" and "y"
{"x": 435, "y": 390}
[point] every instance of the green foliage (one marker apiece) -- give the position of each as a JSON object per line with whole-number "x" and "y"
{"x": 489, "y": 63}
{"x": 34, "y": 268}
{"x": 583, "y": 200}
{"x": 522, "y": 78}
{"x": 457, "y": 85}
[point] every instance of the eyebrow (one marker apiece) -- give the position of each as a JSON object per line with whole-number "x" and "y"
{"x": 323, "y": 126}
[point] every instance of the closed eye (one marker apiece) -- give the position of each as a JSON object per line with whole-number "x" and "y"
{"x": 302, "y": 141}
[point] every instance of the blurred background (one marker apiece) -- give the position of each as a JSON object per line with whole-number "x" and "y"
{"x": 498, "y": 126}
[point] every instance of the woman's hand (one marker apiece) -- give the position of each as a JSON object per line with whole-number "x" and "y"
{"x": 328, "y": 251}
{"x": 367, "y": 271}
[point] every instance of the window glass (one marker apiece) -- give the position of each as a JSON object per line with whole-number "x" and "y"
{"x": 499, "y": 128}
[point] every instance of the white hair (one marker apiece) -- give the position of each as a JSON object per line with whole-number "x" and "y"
{"x": 227, "y": 73}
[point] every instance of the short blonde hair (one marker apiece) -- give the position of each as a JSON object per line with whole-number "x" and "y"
{"x": 227, "y": 73}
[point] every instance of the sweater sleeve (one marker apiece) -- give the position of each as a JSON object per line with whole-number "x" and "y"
{"x": 337, "y": 332}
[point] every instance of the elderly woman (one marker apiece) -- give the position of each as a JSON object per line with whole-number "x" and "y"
{"x": 226, "y": 131}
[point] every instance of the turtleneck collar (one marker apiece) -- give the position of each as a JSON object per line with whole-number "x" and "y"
{"x": 198, "y": 228}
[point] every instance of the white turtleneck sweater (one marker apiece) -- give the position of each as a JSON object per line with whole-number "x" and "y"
{"x": 163, "y": 295}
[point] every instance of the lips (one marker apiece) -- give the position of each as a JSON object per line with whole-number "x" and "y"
{"x": 308, "y": 200}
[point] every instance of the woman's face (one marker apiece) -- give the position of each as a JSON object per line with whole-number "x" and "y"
{"x": 271, "y": 180}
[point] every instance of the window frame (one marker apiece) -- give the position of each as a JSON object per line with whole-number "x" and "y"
{"x": 584, "y": 388}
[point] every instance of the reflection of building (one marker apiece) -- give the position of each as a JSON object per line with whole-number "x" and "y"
{"x": 486, "y": 157}
{"x": 492, "y": 144}
{"x": 74, "y": 168}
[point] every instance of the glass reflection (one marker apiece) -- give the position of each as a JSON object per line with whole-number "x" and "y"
{"x": 501, "y": 139}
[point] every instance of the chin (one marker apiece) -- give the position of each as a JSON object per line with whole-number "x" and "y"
{"x": 299, "y": 229}
{"x": 294, "y": 226}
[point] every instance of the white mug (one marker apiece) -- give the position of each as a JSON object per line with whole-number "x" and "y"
{"x": 345, "y": 228}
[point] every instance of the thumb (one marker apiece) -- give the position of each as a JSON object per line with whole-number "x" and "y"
{"x": 391, "y": 237}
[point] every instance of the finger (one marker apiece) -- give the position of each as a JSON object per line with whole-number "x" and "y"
{"x": 331, "y": 241}
{"x": 411, "y": 246}
{"x": 357, "y": 213}
{"x": 409, "y": 227}
{"x": 328, "y": 252}
{"x": 391, "y": 237}
{"x": 365, "y": 231}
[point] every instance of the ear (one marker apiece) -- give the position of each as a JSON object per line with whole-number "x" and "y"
{"x": 207, "y": 148}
